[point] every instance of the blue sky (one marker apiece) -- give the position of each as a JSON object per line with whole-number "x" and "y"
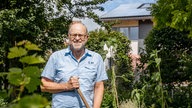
{"x": 108, "y": 6}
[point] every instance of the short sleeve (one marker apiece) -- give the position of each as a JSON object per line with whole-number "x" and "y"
{"x": 101, "y": 73}
{"x": 49, "y": 70}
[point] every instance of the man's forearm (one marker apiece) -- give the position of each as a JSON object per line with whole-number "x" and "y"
{"x": 98, "y": 95}
{"x": 54, "y": 87}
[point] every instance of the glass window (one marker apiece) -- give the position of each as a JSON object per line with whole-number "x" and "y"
{"x": 131, "y": 32}
{"x": 125, "y": 31}
{"x": 134, "y": 34}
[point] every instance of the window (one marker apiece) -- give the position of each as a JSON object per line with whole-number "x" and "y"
{"x": 134, "y": 33}
{"x": 125, "y": 31}
{"x": 131, "y": 32}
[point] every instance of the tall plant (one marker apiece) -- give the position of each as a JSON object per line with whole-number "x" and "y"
{"x": 175, "y": 52}
{"x": 25, "y": 76}
{"x": 152, "y": 93}
{"x": 119, "y": 73}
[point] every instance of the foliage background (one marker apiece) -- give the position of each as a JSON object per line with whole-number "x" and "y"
{"x": 45, "y": 22}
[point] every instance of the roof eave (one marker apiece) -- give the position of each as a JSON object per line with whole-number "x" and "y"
{"x": 127, "y": 18}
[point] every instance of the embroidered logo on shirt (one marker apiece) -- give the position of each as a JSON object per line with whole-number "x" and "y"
{"x": 89, "y": 62}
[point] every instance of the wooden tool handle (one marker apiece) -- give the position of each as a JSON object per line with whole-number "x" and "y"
{"x": 83, "y": 98}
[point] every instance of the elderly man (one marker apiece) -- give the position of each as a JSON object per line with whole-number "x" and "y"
{"x": 75, "y": 68}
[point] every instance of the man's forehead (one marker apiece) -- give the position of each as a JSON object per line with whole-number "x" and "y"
{"x": 78, "y": 27}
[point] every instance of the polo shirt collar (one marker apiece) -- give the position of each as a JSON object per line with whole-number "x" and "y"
{"x": 69, "y": 52}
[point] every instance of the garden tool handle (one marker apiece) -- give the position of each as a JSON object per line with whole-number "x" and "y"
{"x": 83, "y": 98}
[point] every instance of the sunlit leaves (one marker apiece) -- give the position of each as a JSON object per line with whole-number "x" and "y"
{"x": 16, "y": 52}
{"x": 173, "y": 13}
{"x": 14, "y": 69}
{"x": 33, "y": 72}
{"x": 28, "y": 77}
{"x": 28, "y": 45}
{"x": 34, "y": 101}
{"x": 33, "y": 59}
{"x": 32, "y": 47}
{"x": 33, "y": 84}
{"x": 15, "y": 78}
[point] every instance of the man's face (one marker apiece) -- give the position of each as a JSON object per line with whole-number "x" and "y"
{"x": 77, "y": 36}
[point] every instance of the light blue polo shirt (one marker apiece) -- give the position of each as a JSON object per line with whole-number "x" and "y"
{"x": 62, "y": 65}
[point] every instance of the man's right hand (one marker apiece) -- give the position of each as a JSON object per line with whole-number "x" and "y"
{"x": 73, "y": 83}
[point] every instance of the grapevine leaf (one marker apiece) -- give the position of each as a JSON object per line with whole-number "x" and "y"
{"x": 16, "y": 52}
{"x": 32, "y": 59}
{"x": 31, "y": 71}
{"x": 34, "y": 101}
{"x": 15, "y": 69}
{"x": 34, "y": 73}
{"x": 33, "y": 84}
{"x": 15, "y": 78}
{"x": 32, "y": 47}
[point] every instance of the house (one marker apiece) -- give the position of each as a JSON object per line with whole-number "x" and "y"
{"x": 134, "y": 21}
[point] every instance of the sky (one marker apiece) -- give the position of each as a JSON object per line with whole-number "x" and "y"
{"x": 108, "y": 6}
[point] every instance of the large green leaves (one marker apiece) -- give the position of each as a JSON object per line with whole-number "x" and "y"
{"x": 34, "y": 101}
{"x": 15, "y": 78}
{"x": 29, "y": 76}
{"x": 33, "y": 59}
{"x": 173, "y": 13}
{"x": 33, "y": 73}
{"x": 16, "y": 52}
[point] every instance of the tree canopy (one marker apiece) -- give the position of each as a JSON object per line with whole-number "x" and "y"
{"x": 173, "y": 13}
{"x": 43, "y": 22}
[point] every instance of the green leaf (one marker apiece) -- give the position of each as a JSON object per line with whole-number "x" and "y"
{"x": 124, "y": 78}
{"x": 26, "y": 80}
{"x": 21, "y": 43}
{"x": 32, "y": 59}
{"x": 32, "y": 47}
{"x": 158, "y": 88}
{"x": 3, "y": 74}
{"x": 15, "y": 78}
{"x": 34, "y": 73}
{"x": 158, "y": 61}
{"x": 15, "y": 69}
{"x": 34, "y": 101}
{"x": 33, "y": 84}
{"x": 156, "y": 76}
{"x": 31, "y": 71}
{"x": 16, "y": 52}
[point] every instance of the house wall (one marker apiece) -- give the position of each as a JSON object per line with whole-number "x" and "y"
{"x": 144, "y": 27}
{"x": 126, "y": 23}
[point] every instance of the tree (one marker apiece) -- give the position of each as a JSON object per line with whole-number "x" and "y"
{"x": 173, "y": 13}
{"x": 173, "y": 45}
{"x": 174, "y": 50}
{"x": 42, "y": 22}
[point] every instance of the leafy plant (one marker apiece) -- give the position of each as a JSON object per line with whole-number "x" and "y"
{"x": 171, "y": 44}
{"x": 119, "y": 67}
{"x": 173, "y": 13}
{"x": 129, "y": 104}
{"x": 25, "y": 77}
{"x": 152, "y": 93}
{"x": 174, "y": 49}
